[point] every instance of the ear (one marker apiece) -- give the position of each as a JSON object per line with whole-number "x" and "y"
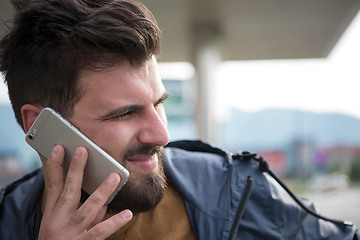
{"x": 29, "y": 114}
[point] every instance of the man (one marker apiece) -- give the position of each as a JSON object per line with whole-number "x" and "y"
{"x": 94, "y": 61}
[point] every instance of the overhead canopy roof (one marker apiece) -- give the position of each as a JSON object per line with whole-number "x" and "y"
{"x": 252, "y": 29}
{"x": 247, "y": 29}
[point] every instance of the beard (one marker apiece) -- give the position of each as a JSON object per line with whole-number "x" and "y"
{"x": 143, "y": 191}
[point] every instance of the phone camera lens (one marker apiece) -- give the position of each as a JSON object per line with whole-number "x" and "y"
{"x": 30, "y": 137}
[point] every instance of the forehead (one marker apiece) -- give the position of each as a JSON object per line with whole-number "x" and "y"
{"x": 121, "y": 84}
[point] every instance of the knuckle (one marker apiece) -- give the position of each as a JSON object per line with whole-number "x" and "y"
{"x": 95, "y": 200}
{"x": 96, "y": 233}
{"x": 51, "y": 185}
{"x": 48, "y": 229}
{"x": 65, "y": 198}
{"x": 70, "y": 187}
{"x": 77, "y": 219}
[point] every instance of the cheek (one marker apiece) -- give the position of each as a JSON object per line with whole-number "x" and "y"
{"x": 115, "y": 135}
{"x": 112, "y": 138}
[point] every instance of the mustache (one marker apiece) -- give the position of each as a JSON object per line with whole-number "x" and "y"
{"x": 142, "y": 150}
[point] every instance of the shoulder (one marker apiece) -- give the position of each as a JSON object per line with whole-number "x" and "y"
{"x": 188, "y": 162}
{"x": 20, "y": 206}
{"x": 213, "y": 181}
{"x": 195, "y": 153}
{"x": 200, "y": 160}
{"x": 18, "y": 187}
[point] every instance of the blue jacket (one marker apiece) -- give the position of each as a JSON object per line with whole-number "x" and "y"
{"x": 225, "y": 199}
{"x": 215, "y": 187}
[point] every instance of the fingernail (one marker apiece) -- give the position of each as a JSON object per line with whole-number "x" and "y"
{"x": 126, "y": 214}
{"x": 56, "y": 150}
{"x": 111, "y": 179}
{"x": 77, "y": 153}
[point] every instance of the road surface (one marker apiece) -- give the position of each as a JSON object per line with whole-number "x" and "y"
{"x": 342, "y": 206}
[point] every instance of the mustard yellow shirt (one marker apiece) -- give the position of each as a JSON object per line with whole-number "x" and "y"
{"x": 169, "y": 220}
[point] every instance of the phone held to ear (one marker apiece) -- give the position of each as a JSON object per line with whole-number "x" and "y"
{"x": 51, "y": 129}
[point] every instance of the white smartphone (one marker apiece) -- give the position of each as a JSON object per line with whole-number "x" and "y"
{"x": 51, "y": 129}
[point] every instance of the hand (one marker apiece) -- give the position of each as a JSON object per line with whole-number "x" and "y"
{"x": 64, "y": 217}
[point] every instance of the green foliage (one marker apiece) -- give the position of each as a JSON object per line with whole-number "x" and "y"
{"x": 355, "y": 171}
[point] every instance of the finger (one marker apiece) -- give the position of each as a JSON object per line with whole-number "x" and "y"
{"x": 70, "y": 197}
{"x": 108, "y": 227}
{"x": 54, "y": 177}
{"x": 99, "y": 216}
{"x": 86, "y": 214}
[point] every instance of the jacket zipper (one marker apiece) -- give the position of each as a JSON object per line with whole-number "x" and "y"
{"x": 242, "y": 207}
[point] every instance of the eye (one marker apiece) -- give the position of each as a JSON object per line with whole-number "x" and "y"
{"x": 122, "y": 115}
{"x": 161, "y": 100}
{"x": 159, "y": 103}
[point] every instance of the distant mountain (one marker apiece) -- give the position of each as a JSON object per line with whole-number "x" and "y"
{"x": 268, "y": 129}
{"x": 275, "y": 128}
{"x": 12, "y": 139}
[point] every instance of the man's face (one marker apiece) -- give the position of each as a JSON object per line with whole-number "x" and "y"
{"x": 121, "y": 111}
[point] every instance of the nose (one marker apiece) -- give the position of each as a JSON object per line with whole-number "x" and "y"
{"x": 154, "y": 130}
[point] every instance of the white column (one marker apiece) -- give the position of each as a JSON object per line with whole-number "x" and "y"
{"x": 207, "y": 59}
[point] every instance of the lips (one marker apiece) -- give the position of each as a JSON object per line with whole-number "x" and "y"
{"x": 144, "y": 163}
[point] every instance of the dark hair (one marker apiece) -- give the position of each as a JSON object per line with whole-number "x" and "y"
{"x": 51, "y": 41}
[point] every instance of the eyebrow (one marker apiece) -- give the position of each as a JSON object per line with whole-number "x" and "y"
{"x": 130, "y": 108}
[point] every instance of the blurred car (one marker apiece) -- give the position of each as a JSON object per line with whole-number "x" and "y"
{"x": 329, "y": 183}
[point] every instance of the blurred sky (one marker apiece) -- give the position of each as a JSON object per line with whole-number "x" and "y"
{"x": 320, "y": 85}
